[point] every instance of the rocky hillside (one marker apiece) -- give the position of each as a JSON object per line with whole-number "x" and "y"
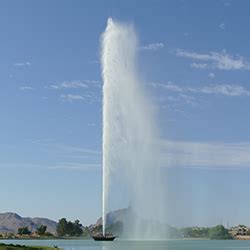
{"x": 10, "y": 222}
{"x": 120, "y": 215}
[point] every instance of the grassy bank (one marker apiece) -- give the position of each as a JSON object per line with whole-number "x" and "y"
{"x": 23, "y": 247}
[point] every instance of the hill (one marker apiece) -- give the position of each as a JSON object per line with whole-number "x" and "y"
{"x": 113, "y": 217}
{"x": 10, "y": 222}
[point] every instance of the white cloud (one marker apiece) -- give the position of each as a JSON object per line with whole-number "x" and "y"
{"x": 172, "y": 154}
{"x": 23, "y": 88}
{"x": 222, "y": 26}
{"x": 169, "y": 86}
{"x": 21, "y": 64}
{"x": 211, "y": 75}
{"x": 71, "y": 166}
{"x": 81, "y": 150}
{"x": 69, "y": 85}
{"x": 75, "y": 84}
{"x": 153, "y": 46}
{"x": 225, "y": 89}
{"x": 69, "y": 151}
{"x": 205, "y": 154}
{"x": 92, "y": 81}
{"x": 222, "y": 89}
{"x": 71, "y": 98}
{"x": 188, "y": 99}
{"x": 76, "y": 166}
{"x": 219, "y": 60}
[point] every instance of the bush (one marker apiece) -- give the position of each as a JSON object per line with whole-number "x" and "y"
{"x": 219, "y": 233}
{"x": 23, "y": 231}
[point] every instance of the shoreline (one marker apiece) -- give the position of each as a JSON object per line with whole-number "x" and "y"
{"x": 89, "y": 238}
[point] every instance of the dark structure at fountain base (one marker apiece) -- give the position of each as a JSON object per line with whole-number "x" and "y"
{"x": 101, "y": 237}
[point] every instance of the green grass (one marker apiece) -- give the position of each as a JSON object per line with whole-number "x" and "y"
{"x": 23, "y": 247}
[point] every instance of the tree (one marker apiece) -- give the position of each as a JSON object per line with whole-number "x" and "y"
{"x": 194, "y": 232}
{"x": 23, "y": 231}
{"x": 41, "y": 230}
{"x": 61, "y": 228}
{"x": 219, "y": 233}
{"x": 69, "y": 228}
{"x": 77, "y": 228}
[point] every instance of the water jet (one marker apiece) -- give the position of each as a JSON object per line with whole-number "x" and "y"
{"x": 129, "y": 149}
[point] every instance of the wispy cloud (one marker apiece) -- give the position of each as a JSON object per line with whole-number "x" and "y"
{"x": 205, "y": 154}
{"x": 219, "y": 89}
{"x": 66, "y": 149}
{"x": 153, "y": 46}
{"x": 69, "y": 85}
{"x": 225, "y": 89}
{"x": 76, "y": 166}
{"x": 222, "y": 26}
{"x": 81, "y": 150}
{"x": 92, "y": 81}
{"x": 219, "y": 60}
{"x": 208, "y": 155}
{"x": 71, "y": 98}
{"x": 21, "y": 64}
{"x": 169, "y": 86}
{"x": 211, "y": 75}
{"x": 24, "y": 88}
{"x": 75, "y": 84}
{"x": 69, "y": 166}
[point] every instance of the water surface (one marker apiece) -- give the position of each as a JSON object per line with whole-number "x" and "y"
{"x": 137, "y": 245}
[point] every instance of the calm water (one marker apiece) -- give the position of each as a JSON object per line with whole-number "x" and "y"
{"x": 137, "y": 245}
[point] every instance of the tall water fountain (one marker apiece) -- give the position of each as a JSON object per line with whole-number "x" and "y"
{"x": 130, "y": 150}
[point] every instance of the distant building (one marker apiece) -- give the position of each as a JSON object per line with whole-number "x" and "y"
{"x": 239, "y": 230}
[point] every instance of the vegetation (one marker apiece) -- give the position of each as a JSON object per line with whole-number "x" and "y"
{"x": 194, "y": 232}
{"x": 41, "y": 230}
{"x": 75, "y": 229}
{"x": 219, "y": 233}
{"x": 68, "y": 228}
{"x": 22, "y": 247}
{"x": 214, "y": 233}
{"x": 24, "y": 231}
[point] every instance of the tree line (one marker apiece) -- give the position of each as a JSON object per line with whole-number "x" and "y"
{"x": 41, "y": 230}
{"x": 64, "y": 228}
{"x": 218, "y": 232}
{"x": 68, "y": 228}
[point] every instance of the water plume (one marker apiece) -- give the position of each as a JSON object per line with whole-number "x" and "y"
{"x": 129, "y": 133}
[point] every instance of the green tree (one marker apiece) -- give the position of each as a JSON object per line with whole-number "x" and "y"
{"x": 41, "y": 230}
{"x": 61, "y": 228}
{"x": 23, "y": 231}
{"x": 219, "y": 233}
{"x": 68, "y": 228}
{"x": 77, "y": 229}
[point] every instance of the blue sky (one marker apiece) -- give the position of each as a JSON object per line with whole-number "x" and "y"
{"x": 194, "y": 58}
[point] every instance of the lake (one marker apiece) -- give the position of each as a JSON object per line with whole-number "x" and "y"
{"x": 138, "y": 245}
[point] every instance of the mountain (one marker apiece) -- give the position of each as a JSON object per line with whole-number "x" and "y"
{"x": 10, "y": 222}
{"x": 119, "y": 215}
